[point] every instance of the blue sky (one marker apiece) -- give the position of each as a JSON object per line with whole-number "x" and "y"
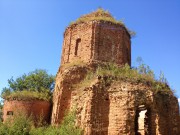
{"x": 31, "y": 33}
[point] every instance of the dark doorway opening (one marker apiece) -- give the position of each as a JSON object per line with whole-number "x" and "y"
{"x": 142, "y": 121}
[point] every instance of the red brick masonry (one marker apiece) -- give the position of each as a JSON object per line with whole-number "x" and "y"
{"x": 36, "y": 108}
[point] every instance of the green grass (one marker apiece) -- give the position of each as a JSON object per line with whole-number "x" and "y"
{"x": 101, "y": 15}
{"x": 74, "y": 63}
{"x": 142, "y": 74}
{"x": 27, "y": 95}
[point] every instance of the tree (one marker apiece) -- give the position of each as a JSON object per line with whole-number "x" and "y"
{"x": 36, "y": 81}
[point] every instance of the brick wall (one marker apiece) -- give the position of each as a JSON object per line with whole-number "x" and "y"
{"x": 112, "y": 43}
{"x": 113, "y": 108}
{"x": 96, "y": 41}
{"x": 36, "y": 108}
{"x": 82, "y": 32}
{"x": 63, "y": 90}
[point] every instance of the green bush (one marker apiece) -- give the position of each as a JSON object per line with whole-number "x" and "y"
{"x": 23, "y": 125}
{"x": 67, "y": 127}
{"x": 19, "y": 125}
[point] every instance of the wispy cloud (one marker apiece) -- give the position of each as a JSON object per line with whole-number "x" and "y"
{"x": 179, "y": 100}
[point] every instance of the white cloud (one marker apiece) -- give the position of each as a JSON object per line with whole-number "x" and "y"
{"x": 179, "y": 100}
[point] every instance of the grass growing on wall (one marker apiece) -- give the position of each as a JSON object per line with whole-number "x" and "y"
{"x": 74, "y": 63}
{"x": 141, "y": 74}
{"x": 101, "y": 15}
{"x": 27, "y": 95}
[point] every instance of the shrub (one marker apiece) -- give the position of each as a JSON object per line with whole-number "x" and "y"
{"x": 19, "y": 125}
{"x": 142, "y": 73}
{"x": 67, "y": 127}
{"x": 23, "y": 125}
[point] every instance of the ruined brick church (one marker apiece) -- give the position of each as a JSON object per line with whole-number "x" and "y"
{"x": 122, "y": 107}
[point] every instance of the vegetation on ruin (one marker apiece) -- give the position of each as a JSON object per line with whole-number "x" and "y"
{"x": 37, "y": 84}
{"x": 67, "y": 127}
{"x": 101, "y": 15}
{"x": 74, "y": 63}
{"x": 27, "y": 95}
{"x": 141, "y": 74}
{"x": 23, "y": 125}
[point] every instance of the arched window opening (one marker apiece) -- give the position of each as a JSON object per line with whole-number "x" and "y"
{"x": 142, "y": 121}
{"x": 78, "y": 41}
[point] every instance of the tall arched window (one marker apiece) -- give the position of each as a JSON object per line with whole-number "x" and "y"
{"x": 78, "y": 41}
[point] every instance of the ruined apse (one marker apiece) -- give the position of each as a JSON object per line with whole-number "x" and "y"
{"x": 108, "y": 108}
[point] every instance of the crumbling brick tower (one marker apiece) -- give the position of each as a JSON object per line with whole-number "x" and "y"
{"x": 93, "y": 39}
{"x": 103, "y": 107}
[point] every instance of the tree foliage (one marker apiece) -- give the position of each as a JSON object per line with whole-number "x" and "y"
{"x": 36, "y": 81}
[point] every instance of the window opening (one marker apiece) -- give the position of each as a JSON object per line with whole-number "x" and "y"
{"x": 142, "y": 121}
{"x": 78, "y": 41}
{"x": 9, "y": 112}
